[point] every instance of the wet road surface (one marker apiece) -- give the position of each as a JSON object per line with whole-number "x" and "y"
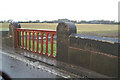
{"x": 18, "y": 69}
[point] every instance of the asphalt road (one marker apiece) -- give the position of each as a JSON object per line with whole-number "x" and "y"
{"x": 18, "y": 69}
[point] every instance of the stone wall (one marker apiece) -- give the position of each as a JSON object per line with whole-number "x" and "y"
{"x": 4, "y": 33}
{"x": 91, "y": 52}
{"x": 96, "y": 54}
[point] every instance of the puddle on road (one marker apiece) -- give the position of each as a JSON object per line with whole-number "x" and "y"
{"x": 11, "y": 66}
{"x": 26, "y": 64}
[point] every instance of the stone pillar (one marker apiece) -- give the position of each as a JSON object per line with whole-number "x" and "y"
{"x": 12, "y": 33}
{"x": 64, "y": 30}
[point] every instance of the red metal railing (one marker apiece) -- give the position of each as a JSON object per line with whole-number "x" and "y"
{"x": 25, "y": 38}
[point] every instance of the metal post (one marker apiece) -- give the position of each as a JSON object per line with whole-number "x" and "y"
{"x": 20, "y": 38}
{"x": 26, "y": 39}
{"x": 23, "y": 39}
{"x": 47, "y": 44}
{"x": 33, "y": 42}
{"x": 51, "y": 45}
{"x": 37, "y": 42}
{"x": 41, "y": 43}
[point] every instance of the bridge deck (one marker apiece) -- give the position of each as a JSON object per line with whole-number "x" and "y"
{"x": 65, "y": 69}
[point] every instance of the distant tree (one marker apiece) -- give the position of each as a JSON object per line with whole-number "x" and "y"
{"x": 73, "y": 21}
{"x": 37, "y": 21}
{"x": 119, "y": 22}
{"x": 83, "y": 21}
{"x": 30, "y": 21}
{"x": 9, "y": 21}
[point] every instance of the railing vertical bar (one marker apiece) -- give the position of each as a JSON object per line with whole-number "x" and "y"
{"x": 37, "y": 42}
{"x": 46, "y": 44}
{"x": 23, "y": 38}
{"x": 20, "y": 38}
{"x": 26, "y": 39}
{"x": 16, "y": 37}
{"x": 51, "y": 45}
{"x": 33, "y": 41}
{"x": 41, "y": 43}
{"x": 30, "y": 41}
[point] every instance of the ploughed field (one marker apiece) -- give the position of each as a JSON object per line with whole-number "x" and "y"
{"x": 104, "y": 30}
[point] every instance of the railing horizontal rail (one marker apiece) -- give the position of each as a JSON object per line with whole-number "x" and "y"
{"x": 38, "y": 30}
{"x": 36, "y": 40}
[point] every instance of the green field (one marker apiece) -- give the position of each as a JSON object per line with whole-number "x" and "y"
{"x": 35, "y": 46}
{"x": 105, "y": 30}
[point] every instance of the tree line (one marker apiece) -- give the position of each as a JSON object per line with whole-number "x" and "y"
{"x": 66, "y": 20}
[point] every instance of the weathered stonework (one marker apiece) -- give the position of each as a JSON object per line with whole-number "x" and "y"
{"x": 12, "y": 33}
{"x": 91, "y": 52}
{"x": 64, "y": 30}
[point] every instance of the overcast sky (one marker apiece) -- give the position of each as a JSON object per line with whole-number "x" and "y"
{"x": 22, "y": 10}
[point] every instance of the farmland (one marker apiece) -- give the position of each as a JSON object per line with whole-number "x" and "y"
{"x": 104, "y": 30}
{"x": 88, "y": 29}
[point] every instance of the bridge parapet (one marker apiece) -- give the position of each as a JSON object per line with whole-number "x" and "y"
{"x": 91, "y": 52}
{"x": 99, "y": 54}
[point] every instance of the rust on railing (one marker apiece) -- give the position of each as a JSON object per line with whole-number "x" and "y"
{"x": 25, "y": 35}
